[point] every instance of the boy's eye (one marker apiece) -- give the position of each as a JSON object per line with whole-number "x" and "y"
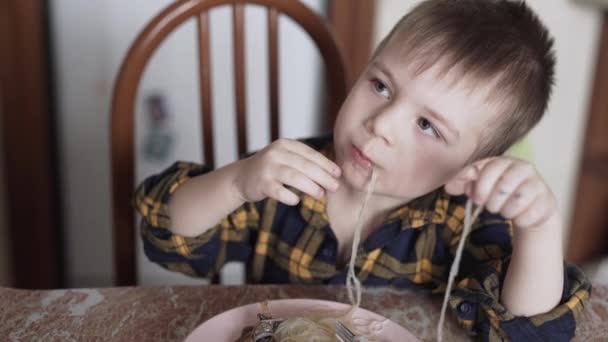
{"x": 380, "y": 88}
{"x": 427, "y": 128}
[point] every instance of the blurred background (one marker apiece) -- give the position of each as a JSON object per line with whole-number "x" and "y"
{"x": 59, "y": 62}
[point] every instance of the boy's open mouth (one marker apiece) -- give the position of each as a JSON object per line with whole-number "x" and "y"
{"x": 361, "y": 159}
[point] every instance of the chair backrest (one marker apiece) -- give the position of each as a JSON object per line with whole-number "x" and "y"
{"x": 127, "y": 82}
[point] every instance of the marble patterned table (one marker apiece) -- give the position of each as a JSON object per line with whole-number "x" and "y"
{"x": 171, "y": 313}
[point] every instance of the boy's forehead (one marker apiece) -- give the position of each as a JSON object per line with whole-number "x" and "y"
{"x": 429, "y": 59}
{"x": 419, "y": 65}
{"x": 439, "y": 78}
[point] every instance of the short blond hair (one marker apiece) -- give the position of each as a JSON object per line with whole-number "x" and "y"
{"x": 487, "y": 40}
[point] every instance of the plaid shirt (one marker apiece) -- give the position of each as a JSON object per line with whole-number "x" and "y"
{"x": 412, "y": 249}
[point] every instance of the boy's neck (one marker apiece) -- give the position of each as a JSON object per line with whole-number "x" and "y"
{"x": 343, "y": 208}
{"x": 350, "y": 199}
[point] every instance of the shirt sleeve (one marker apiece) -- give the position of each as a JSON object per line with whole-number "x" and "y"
{"x": 476, "y": 295}
{"x": 203, "y": 255}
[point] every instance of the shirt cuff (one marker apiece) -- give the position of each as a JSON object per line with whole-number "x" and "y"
{"x": 476, "y": 301}
{"x": 195, "y": 256}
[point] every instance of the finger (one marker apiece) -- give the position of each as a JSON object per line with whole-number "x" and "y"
{"x": 535, "y": 214}
{"x": 522, "y": 198}
{"x": 300, "y": 181}
{"x": 488, "y": 176}
{"x": 278, "y": 192}
{"x": 311, "y": 170}
{"x": 508, "y": 182}
{"x": 314, "y": 156}
{"x": 480, "y": 164}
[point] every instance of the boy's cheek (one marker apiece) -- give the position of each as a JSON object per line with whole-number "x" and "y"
{"x": 420, "y": 176}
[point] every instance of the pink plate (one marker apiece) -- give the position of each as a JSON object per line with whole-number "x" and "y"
{"x": 228, "y": 325}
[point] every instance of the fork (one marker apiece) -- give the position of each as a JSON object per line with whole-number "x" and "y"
{"x": 345, "y": 335}
{"x": 265, "y": 328}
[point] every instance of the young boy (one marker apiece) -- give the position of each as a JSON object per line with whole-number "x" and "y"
{"x": 447, "y": 92}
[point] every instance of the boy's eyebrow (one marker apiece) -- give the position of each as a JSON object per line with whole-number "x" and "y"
{"x": 443, "y": 121}
{"x": 378, "y": 65}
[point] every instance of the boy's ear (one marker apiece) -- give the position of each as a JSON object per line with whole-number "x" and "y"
{"x": 462, "y": 183}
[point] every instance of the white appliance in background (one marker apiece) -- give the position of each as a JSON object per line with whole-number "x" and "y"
{"x": 601, "y": 277}
{"x": 599, "y": 3}
{"x": 90, "y": 40}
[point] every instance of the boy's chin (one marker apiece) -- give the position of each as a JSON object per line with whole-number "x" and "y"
{"x": 355, "y": 178}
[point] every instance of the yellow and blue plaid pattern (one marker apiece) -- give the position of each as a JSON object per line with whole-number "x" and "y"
{"x": 412, "y": 249}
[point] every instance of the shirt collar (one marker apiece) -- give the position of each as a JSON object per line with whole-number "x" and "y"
{"x": 431, "y": 208}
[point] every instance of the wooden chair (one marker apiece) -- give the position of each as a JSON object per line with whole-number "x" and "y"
{"x": 127, "y": 82}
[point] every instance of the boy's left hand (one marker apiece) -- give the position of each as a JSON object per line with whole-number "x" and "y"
{"x": 508, "y": 186}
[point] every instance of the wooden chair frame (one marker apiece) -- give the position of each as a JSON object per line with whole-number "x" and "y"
{"x": 127, "y": 82}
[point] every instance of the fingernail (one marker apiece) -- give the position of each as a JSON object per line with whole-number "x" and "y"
{"x": 336, "y": 171}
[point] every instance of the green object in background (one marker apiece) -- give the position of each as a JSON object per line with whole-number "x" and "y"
{"x": 522, "y": 150}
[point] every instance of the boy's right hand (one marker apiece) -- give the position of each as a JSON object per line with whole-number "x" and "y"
{"x": 285, "y": 162}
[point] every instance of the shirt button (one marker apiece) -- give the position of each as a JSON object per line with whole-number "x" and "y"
{"x": 464, "y": 308}
{"x": 326, "y": 252}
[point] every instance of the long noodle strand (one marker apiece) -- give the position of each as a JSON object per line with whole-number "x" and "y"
{"x": 468, "y": 223}
{"x": 351, "y": 278}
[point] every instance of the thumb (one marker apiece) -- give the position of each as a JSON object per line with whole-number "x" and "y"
{"x": 463, "y": 182}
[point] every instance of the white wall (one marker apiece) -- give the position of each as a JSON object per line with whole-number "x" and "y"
{"x": 90, "y": 39}
{"x": 557, "y": 140}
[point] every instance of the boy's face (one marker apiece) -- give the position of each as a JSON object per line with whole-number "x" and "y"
{"x": 418, "y": 131}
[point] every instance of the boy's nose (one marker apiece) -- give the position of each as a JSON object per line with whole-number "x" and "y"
{"x": 382, "y": 126}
